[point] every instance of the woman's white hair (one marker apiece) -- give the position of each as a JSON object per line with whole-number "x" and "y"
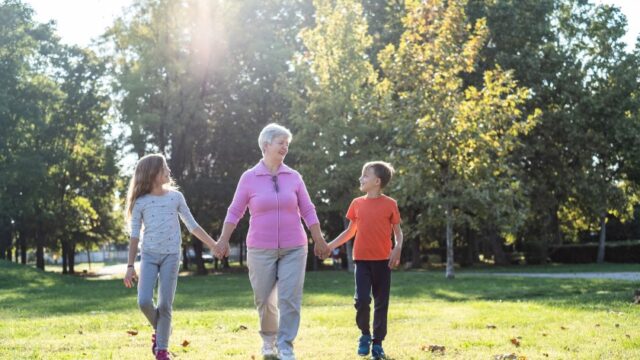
{"x": 270, "y": 132}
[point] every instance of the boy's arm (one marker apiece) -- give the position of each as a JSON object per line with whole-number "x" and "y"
{"x": 344, "y": 236}
{"x": 394, "y": 260}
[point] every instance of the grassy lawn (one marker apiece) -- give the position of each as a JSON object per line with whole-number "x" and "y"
{"x": 50, "y": 316}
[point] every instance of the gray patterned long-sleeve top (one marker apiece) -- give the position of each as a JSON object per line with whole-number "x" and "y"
{"x": 159, "y": 214}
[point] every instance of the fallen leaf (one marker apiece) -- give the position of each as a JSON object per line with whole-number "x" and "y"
{"x": 545, "y": 354}
{"x": 563, "y": 328}
{"x": 511, "y": 356}
{"x": 617, "y": 325}
{"x": 491, "y": 326}
{"x": 240, "y": 327}
{"x": 597, "y": 325}
{"x": 185, "y": 343}
{"x": 544, "y": 334}
{"x": 132, "y": 332}
{"x": 515, "y": 342}
{"x": 436, "y": 349}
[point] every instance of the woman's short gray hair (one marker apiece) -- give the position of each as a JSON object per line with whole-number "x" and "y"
{"x": 270, "y": 132}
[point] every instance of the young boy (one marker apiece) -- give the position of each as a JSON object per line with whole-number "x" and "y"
{"x": 372, "y": 219}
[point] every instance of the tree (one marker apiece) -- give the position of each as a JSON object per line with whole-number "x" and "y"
{"x": 608, "y": 123}
{"x": 453, "y": 139}
{"x": 334, "y": 106}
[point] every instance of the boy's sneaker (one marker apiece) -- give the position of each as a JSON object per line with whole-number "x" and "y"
{"x": 377, "y": 352}
{"x": 363, "y": 345}
{"x": 287, "y": 355}
{"x": 269, "y": 351}
{"x": 162, "y": 355}
{"x": 154, "y": 345}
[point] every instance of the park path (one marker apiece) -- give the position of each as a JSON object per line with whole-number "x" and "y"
{"x": 114, "y": 270}
{"x": 628, "y": 276}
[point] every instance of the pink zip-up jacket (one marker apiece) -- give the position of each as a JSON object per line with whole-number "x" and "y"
{"x": 274, "y": 215}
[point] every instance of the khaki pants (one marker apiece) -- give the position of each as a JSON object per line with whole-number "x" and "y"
{"x": 277, "y": 278}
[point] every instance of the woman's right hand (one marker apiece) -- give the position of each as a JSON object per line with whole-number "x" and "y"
{"x": 131, "y": 277}
{"x": 222, "y": 249}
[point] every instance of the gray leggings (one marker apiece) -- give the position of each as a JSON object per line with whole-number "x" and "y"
{"x": 162, "y": 267}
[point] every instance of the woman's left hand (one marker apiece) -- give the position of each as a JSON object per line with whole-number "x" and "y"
{"x": 321, "y": 249}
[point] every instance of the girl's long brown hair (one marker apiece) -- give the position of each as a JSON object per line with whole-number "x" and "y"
{"x": 147, "y": 170}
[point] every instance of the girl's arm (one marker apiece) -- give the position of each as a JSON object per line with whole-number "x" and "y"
{"x": 131, "y": 275}
{"x": 345, "y": 236}
{"x": 204, "y": 237}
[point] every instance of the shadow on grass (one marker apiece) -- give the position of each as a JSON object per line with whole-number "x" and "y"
{"x": 27, "y": 292}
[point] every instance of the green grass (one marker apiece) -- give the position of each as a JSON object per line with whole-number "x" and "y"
{"x": 50, "y": 316}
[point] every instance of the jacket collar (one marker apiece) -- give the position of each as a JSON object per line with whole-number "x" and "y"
{"x": 261, "y": 169}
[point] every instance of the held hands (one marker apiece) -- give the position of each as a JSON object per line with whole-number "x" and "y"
{"x": 130, "y": 278}
{"x": 394, "y": 259}
{"x": 220, "y": 249}
{"x": 321, "y": 249}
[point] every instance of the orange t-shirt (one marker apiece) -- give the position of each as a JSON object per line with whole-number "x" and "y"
{"x": 374, "y": 220}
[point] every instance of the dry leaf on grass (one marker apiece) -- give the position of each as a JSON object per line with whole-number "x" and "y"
{"x": 132, "y": 332}
{"x": 239, "y": 328}
{"x": 185, "y": 343}
{"x": 491, "y": 326}
{"x": 511, "y": 356}
{"x": 563, "y": 328}
{"x": 434, "y": 348}
{"x": 515, "y": 342}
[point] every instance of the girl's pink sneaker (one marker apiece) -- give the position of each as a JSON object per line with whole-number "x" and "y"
{"x": 153, "y": 344}
{"x": 162, "y": 355}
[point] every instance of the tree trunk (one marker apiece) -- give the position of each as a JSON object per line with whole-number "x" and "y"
{"x": 23, "y": 248}
{"x": 5, "y": 242}
{"x": 197, "y": 249}
{"x": 416, "y": 259}
{"x": 449, "y": 274}
{"x": 65, "y": 256}
{"x": 499, "y": 257}
{"x": 89, "y": 258}
{"x": 603, "y": 238}
{"x": 71, "y": 254}
{"x": 39, "y": 253}
{"x": 185, "y": 258}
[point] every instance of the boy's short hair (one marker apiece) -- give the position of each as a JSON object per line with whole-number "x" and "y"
{"x": 383, "y": 171}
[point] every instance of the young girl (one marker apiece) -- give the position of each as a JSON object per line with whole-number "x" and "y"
{"x": 154, "y": 201}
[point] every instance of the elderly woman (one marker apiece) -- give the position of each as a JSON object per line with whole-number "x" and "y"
{"x": 277, "y": 244}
